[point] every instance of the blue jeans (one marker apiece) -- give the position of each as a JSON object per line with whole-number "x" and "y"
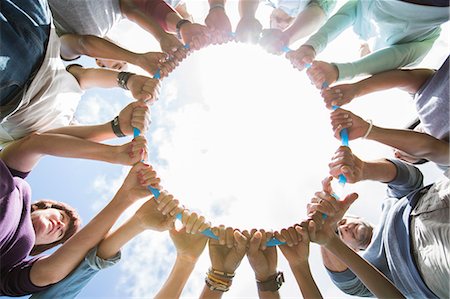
{"x": 73, "y": 284}
{"x": 24, "y": 33}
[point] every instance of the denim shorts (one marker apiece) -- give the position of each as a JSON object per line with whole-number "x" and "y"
{"x": 24, "y": 34}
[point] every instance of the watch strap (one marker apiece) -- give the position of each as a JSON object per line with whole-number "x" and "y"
{"x": 116, "y": 127}
{"x": 272, "y": 284}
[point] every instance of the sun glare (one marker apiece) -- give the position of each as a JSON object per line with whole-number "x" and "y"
{"x": 252, "y": 136}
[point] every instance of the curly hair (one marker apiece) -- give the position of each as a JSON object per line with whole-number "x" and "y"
{"x": 74, "y": 222}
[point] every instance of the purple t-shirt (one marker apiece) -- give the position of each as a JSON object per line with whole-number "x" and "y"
{"x": 17, "y": 235}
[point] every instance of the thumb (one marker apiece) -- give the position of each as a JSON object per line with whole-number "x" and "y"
{"x": 350, "y": 199}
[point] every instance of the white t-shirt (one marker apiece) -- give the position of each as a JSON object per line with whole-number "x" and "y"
{"x": 49, "y": 102}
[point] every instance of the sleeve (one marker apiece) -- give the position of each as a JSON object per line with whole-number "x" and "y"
{"x": 408, "y": 179}
{"x": 340, "y": 21}
{"x": 349, "y": 283}
{"x": 156, "y": 9}
{"x": 73, "y": 284}
{"x": 326, "y": 5}
{"x": 16, "y": 281}
{"x": 393, "y": 57}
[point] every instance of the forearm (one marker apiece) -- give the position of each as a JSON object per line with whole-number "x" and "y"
{"x": 379, "y": 170}
{"x": 216, "y": 2}
{"x": 408, "y": 80}
{"x": 58, "y": 265}
{"x": 94, "y": 77}
{"x": 414, "y": 143}
{"x": 177, "y": 279}
{"x": 96, "y": 133}
{"x": 268, "y": 295}
{"x": 305, "y": 281}
{"x": 332, "y": 262}
{"x": 306, "y": 22}
{"x": 25, "y": 153}
{"x": 112, "y": 244}
{"x": 372, "y": 278}
{"x": 142, "y": 15}
{"x": 388, "y": 58}
{"x": 333, "y": 27}
{"x": 209, "y": 294}
{"x": 247, "y": 8}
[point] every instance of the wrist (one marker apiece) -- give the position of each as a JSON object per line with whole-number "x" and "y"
{"x": 115, "y": 126}
{"x": 272, "y": 283}
{"x": 310, "y": 48}
{"x": 217, "y": 280}
{"x": 180, "y": 25}
{"x": 219, "y": 6}
{"x": 187, "y": 259}
{"x": 123, "y": 78}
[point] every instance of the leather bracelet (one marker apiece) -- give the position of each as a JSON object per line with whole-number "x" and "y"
{"x": 272, "y": 284}
{"x": 116, "y": 127}
{"x": 178, "y": 26}
{"x": 122, "y": 79}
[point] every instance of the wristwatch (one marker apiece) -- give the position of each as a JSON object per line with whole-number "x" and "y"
{"x": 272, "y": 284}
{"x": 116, "y": 127}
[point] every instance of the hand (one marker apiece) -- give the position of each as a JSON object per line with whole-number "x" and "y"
{"x": 322, "y": 72}
{"x": 248, "y": 30}
{"x": 302, "y": 56}
{"x": 296, "y": 250}
{"x": 150, "y": 217}
{"x": 131, "y": 152}
{"x": 346, "y": 163}
{"x": 263, "y": 261}
{"x": 151, "y": 61}
{"x": 324, "y": 203}
{"x": 135, "y": 185}
{"x": 134, "y": 115}
{"x": 189, "y": 247}
{"x": 339, "y": 95}
{"x": 273, "y": 40}
{"x": 168, "y": 66}
{"x": 193, "y": 223}
{"x": 196, "y": 35}
{"x": 321, "y": 234}
{"x": 226, "y": 254}
{"x": 170, "y": 45}
{"x": 355, "y": 125}
{"x": 144, "y": 88}
{"x": 167, "y": 205}
{"x": 219, "y": 24}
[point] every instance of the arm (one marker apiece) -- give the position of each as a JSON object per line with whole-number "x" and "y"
{"x": 335, "y": 25}
{"x": 249, "y": 28}
{"x": 262, "y": 259}
{"x": 146, "y": 217}
{"x": 142, "y": 88}
{"x": 189, "y": 247}
{"x": 218, "y": 22}
{"x": 226, "y": 255}
{"x": 81, "y": 142}
{"x": 23, "y": 154}
{"x": 296, "y": 252}
{"x": 306, "y": 22}
{"x": 372, "y": 278}
{"x": 408, "y": 80}
{"x": 386, "y": 59}
{"x": 414, "y": 143}
{"x": 64, "y": 260}
{"x": 74, "y": 45}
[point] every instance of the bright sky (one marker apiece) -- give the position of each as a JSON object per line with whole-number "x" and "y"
{"x": 238, "y": 135}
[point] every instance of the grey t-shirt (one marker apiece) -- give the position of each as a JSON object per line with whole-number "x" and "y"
{"x": 432, "y": 103}
{"x": 85, "y": 16}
